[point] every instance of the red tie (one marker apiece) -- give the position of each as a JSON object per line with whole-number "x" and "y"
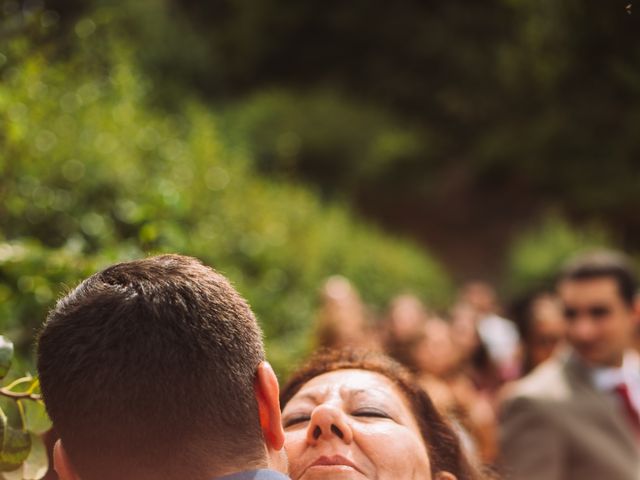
{"x": 632, "y": 414}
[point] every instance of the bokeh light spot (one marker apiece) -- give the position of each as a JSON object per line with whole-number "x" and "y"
{"x": 73, "y": 170}
{"x": 46, "y": 140}
{"x": 217, "y": 178}
{"x": 85, "y": 28}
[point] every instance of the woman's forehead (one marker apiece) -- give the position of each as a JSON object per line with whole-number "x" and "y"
{"x": 349, "y": 382}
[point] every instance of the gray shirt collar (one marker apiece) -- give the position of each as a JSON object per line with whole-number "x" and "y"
{"x": 262, "y": 474}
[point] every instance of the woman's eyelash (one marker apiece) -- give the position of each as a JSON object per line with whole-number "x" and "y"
{"x": 294, "y": 420}
{"x": 367, "y": 412}
{"x": 363, "y": 412}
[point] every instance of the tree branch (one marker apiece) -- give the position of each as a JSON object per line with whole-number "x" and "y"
{"x": 20, "y": 395}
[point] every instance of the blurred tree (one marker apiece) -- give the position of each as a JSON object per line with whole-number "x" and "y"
{"x": 455, "y": 121}
{"x": 536, "y": 253}
{"x": 94, "y": 171}
{"x": 520, "y": 104}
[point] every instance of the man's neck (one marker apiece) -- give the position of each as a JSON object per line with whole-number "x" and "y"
{"x": 208, "y": 471}
{"x": 614, "y": 363}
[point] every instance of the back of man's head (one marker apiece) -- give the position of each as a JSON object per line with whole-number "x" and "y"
{"x": 149, "y": 366}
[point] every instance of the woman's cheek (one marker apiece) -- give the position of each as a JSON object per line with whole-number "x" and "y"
{"x": 395, "y": 452}
{"x": 294, "y": 443}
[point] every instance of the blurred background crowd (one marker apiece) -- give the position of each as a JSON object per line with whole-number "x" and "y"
{"x": 464, "y": 357}
{"x": 353, "y": 167}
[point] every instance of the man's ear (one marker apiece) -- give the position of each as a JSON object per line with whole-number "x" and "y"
{"x": 268, "y": 397}
{"x": 445, "y": 476}
{"x": 62, "y": 464}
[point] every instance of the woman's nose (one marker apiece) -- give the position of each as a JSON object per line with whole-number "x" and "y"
{"x": 328, "y": 422}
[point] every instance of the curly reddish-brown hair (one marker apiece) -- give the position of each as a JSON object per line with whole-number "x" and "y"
{"x": 443, "y": 445}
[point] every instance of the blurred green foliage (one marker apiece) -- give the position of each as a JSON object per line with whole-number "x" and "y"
{"x": 322, "y": 137}
{"x": 433, "y": 117}
{"x": 543, "y": 94}
{"x": 142, "y": 126}
{"x": 509, "y": 108}
{"x": 534, "y": 97}
{"x": 538, "y": 252}
{"x": 95, "y": 170}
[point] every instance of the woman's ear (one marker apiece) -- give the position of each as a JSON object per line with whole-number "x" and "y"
{"x": 268, "y": 397}
{"x": 445, "y": 476}
{"x": 62, "y": 464}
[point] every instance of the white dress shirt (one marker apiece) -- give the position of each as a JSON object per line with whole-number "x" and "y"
{"x": 606, "y": 379}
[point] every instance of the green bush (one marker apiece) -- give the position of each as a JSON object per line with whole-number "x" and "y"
{"x": 94, "y": 172}
{"x": 536, "y": 254}
{"x": 322, "y": 137}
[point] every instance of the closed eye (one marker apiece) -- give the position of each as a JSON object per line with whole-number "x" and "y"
{"x": 294, "y": 420}
{"x": 370, "y": 412}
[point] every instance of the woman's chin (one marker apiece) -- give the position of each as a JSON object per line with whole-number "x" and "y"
{"x": 326, "y": 472}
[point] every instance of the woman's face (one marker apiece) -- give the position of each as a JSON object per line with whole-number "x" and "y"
{"x": 353, "y": 424}
{"x": 436, "y": 354}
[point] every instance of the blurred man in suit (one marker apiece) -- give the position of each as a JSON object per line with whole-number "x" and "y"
{"x": 576, "y": 417}
{"x": 154, "y": 370}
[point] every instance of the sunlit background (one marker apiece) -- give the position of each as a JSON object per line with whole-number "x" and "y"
{"x": 408, "y": 146}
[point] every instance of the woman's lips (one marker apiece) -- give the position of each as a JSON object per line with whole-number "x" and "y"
{"x": 333, "y": 461}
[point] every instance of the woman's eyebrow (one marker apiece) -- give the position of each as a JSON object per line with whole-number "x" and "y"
{"x": 358, "y": 391}
{"x": 370, "y": 392}
{"x": 308, "y": 396}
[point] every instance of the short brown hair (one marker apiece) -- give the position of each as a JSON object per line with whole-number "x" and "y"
{"x": 603, "y": 264}
{"x": 443, "y": 446}
{"x": 151, "y": 364}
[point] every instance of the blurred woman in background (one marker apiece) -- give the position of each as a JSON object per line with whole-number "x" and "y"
{"x": 475, "y": 360}
{"x": 402, "y": 327}
{"x": 438, "y": 364}
{"x": 542, "y": 327}
{"x": 342, "y": 318}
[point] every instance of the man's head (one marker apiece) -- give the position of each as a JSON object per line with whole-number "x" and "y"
{"x": 598, "y": 293}
{"x": 479, "y": 295}
{"x": 157, "y": 365}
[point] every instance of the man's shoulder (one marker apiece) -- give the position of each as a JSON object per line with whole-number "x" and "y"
{"x": 548, "y": 382}
{"x": 540, "y": 404}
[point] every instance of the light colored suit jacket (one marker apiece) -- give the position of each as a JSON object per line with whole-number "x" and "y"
{"x": 555, "y": 425}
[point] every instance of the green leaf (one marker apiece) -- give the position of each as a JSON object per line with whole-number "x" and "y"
{"x": 3, "y": 428}
{"x": 35, "y": 416}
{"x": 16, "y": 445}
{"x": 6, "y": 355}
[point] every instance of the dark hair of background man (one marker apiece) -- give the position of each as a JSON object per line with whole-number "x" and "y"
{"x": 603, "y": 264}
{"x": 152, "y": 363}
